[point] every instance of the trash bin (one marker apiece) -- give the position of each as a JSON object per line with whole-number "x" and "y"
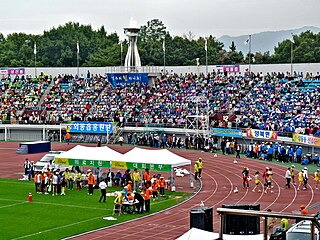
{"x": 202, "y": 218}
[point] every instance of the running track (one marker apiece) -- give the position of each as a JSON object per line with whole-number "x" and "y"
{"x": 220, "y": 177}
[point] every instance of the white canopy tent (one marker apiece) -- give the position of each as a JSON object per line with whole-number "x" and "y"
{"x": 89, "y": 156}
{"x": 158, "y": 156}
{"x": 159, "y": 160}
{"x": 156, "y": 160}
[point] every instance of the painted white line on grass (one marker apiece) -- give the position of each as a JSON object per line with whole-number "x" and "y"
{"x": 74, "y": 206}
{"x": 11, "y": 205}
{"x": 56, "y": 204}
{"x": 57, "y": 228}
{"x": 13, "y": 200}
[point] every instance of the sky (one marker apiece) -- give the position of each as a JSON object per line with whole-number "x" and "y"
{"x": 200, "y": 17}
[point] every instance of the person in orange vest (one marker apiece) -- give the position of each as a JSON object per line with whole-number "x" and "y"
{"x": 147, "y": 192}
{"x": 129, "y": 187}
{"x": 91, "y": 182}
{"x": 155, "y": 187}
{"x": 303, "y": 209}
{"x": 68, "y": 137}
{"x": 35, "y": 179}
{"x": 147, "y": 178}
{"x": 162, "y": 184}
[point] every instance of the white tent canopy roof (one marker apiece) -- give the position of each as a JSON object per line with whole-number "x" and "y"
{"x": 92, "y": 153}
{"x": 159, "y": 156}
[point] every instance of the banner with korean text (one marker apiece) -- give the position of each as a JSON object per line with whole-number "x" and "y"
{"x": 91, "y": 127}
{"x": 261, "y": 134}
{"x": 306, "y": 139}
{"x": 125, "y": 79}
{"x": 82, "y": 162}
{"x": 141, "y": 166}
{"x": 15, "y": 71}
{"x": 226, "y": 132}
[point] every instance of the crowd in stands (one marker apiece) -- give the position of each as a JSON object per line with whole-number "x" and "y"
{"x": 271, "y": 101}
{"x": 275, "y": 151}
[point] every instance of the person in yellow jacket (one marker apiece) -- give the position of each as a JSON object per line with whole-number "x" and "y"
{"x": 118, "y": 203}
{"x": 284, "y": 224}
{"x": 136, "y": 178}
{"x": 196, "y": 171}
{"x": 300, "y": 179}
{"x": 71, "y": 180}
{"x": 200, "y": 166}
{"x": 316, "y": 178}
{"x": 79, "y": 180}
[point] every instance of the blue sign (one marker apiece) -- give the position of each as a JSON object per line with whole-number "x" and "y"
{"x": 125, "y": 79}
{"x": 91, "y": 127}
{"x": 226, "y": 132}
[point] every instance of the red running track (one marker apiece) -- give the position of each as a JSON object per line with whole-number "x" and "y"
{"x": 220, "y": 177}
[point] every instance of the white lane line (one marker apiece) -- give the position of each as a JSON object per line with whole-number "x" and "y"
{"x": 11, "y": 205}
{"x": 57, "y": 228}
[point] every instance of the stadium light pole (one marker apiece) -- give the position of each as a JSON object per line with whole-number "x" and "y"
{"x": 35, "y": 55}
{"x": 164, "y": 55}
{"x": 291, "y": 54}
{"x": 78, "y": 51}
{"x": 248, "y": 41}
{"x": 250, "y": 54}
{"x": 206, "y": 49}
{"x": 198, "y": 64}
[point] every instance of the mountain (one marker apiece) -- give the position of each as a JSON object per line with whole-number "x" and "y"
{"x": 264, "y": 41}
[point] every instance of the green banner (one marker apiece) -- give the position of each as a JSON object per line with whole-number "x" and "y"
{"x": 115, "y": 164}
{"x": 141, "y": 166}
{"x": 82, "y": 162}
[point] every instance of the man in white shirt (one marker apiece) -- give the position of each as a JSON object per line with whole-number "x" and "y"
{"x": 305, "y": 178}
{"x": 103, "y": 189}
{"x": 288, "y": 177}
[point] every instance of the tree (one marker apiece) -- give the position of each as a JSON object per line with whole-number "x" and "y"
{"x": 152, "y": 32}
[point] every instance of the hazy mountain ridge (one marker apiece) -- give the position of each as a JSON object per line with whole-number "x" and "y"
{"x": 264, "y": 41}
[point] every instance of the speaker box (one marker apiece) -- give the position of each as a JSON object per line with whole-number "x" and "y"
{"x": 202, "y": 218}
{"x": 241, "y": 225}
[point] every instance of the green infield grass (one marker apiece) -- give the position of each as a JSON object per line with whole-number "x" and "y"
{"x": 56, "y": 217}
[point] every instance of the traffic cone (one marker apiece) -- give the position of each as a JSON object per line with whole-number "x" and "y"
{"x": 30, "y": 197}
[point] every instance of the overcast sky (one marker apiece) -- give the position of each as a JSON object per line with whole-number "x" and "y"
{"x": 201, "y": 17}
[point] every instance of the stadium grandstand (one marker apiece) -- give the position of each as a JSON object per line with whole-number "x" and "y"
{"x": 271, "y": 101}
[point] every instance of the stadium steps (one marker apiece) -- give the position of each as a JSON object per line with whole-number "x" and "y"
{"x": 113, "y": 139}
{"x": 45, "y": 94}
{"x": 23, "y": 149}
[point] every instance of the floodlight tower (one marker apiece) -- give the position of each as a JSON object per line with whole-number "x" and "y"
{"x": 192, "y": 121}
{"x": 132, "y": 62}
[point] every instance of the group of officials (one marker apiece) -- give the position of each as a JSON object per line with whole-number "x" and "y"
{"x": 130, "y": 200}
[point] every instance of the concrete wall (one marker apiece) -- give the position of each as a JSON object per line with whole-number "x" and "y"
{"x": 303, "y": 67}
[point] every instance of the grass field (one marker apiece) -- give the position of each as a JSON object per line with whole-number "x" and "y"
{"x": 56, "y": 217}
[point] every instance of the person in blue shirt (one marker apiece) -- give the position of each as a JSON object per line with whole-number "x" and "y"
{"x": 315, "y": 159}
{"x": 290, "y": 154}
{"x": 275, "y": 149}
{"x": 118, "y": 178}
{"x": 299, "y": 154}
{"x": 270, "y": 153}
{"x": 305, "y": 160}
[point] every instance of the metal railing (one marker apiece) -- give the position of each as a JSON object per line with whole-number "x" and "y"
{"x": 227, "y": 211}
{"x": 143, "y": 69}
